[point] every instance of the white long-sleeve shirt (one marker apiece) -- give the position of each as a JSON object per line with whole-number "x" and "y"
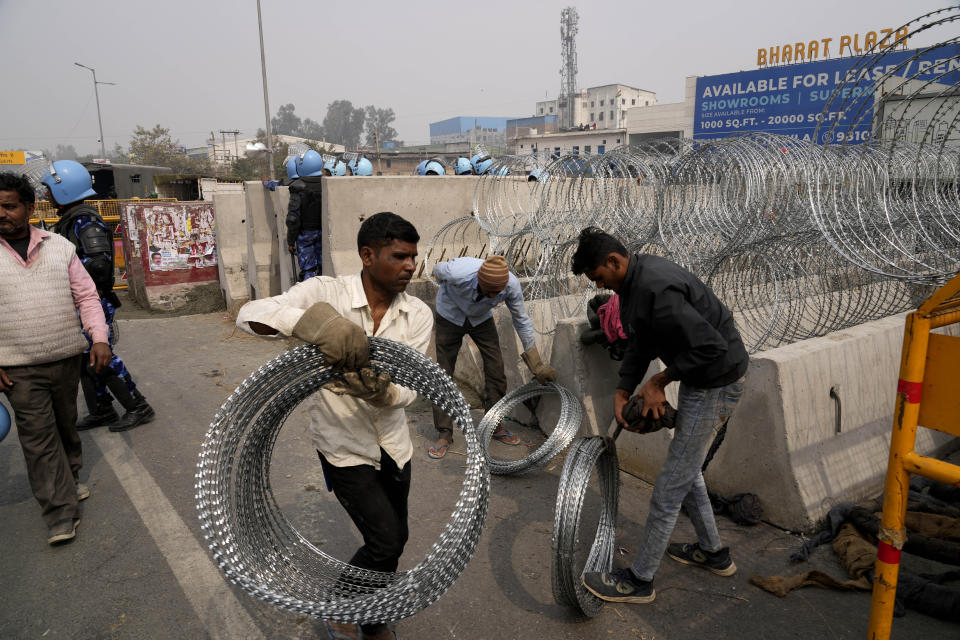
{"x": 346, "y": 430}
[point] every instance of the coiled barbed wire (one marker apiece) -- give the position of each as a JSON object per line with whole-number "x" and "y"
{"x": 253, "y": 542}
{"x": 584, "y": 455}
{"x": 797, "y": 238}
{"x": 568, "y": 424}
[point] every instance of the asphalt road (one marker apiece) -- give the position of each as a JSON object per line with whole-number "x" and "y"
{"x": 139, "y": 566}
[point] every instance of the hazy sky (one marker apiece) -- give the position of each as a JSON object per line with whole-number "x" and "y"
{"x": 194, "y": 66}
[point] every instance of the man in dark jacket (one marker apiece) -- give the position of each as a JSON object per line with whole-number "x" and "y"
{"x": 68, "y": 184}
{"x": 304, "y": 228}
{"x": 668, "y": 313}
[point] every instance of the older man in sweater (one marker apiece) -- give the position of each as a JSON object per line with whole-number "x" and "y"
{"x": 43, "y": 286}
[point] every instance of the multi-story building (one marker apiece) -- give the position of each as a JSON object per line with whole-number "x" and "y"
{"x": 602, "y": 107}
{"x": 470, "y": 129}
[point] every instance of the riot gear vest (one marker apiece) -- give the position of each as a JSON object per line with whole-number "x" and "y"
{"x": 310, "y": 201}
{"x": 93, "y": 241}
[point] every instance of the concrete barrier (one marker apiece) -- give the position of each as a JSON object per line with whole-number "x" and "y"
{"x": 288, "y": 273}
{"x": 231, "y": 204}
{"x": 263, "y": 264}
{"x": 347, "y": 202}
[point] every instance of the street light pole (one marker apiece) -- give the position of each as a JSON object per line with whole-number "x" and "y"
{"x": 266, "y": 100}
{"x": 96, "y": 93}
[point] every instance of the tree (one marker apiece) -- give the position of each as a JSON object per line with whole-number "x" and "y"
{"x": 378, "y": 122}
{"x": 286, "y": 122}
{"x": 343, "y": 123}
{"x": 65, "y": 153}
{"x": 155, "y": 146}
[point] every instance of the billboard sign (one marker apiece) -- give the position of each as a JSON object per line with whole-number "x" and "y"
{"x": 790, "y": 100}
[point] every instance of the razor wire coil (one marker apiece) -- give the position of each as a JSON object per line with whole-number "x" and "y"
{"x": 568, "y": 424}
{"x": 584, "y": 456}
{"x": 253, "y": 542}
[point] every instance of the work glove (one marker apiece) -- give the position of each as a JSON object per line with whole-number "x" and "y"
{"x": 367, "y": 385}
{"x": 639, "y": 423}
{"x": 343, "y": 343}
{"x": 544, "y": 373}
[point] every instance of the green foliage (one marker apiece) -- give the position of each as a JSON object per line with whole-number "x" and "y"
{"x": 287, "y": 122}
{"x": 344, "y": 123}
{"x": 378, "y": 121}
{"x": 156, "y": 147}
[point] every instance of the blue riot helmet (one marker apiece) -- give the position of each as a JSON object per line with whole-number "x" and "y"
{"x": 335, "y": 167}
{"x": 292, "y": 168}
{"x": 362, "y": 167}
{"x": 309, "y": 164}
{"x": 433, "y": 168}
{"x": 481, "y": 163}
{"x": 535, "y": 176}
{"x": 462, "y": 167}
{"x": 69, "y": 182}
{"x": 4, "y": 422}
{"x": 420, "y": 168}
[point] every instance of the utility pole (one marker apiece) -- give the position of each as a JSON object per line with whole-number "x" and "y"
{"x": 266, "y": 100}
{"x": 223, "y": 140}
{"x": 96, "y": 93}
{"x": 376, "y": 138}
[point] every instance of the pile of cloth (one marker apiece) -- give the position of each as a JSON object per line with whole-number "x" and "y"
{"x": 933, "y": 532}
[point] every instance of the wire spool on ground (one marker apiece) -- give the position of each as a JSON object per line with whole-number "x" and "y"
{"x": 585, "y": 455}
{"x": 253, "y": 542}
{"x": 568, "y": 424}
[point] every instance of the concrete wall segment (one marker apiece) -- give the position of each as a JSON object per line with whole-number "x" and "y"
{"x": 231, "y": 204}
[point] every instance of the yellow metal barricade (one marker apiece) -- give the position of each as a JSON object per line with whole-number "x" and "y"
{"x": 928, "y": 395}
{"x": 45, "y": 215}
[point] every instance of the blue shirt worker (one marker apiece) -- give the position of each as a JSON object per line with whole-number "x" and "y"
{"x": 304, "y": 228}
{"x": 668, "y": 313}
{"x": 470, "y": 289}
{"x": 68, "y": 184}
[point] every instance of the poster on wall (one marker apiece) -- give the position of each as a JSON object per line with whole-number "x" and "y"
{"x": 791, "y": 100}
{"x": 180, "y": 237}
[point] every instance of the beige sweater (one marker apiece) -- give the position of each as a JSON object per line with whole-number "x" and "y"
{"x": 38, "y": 317}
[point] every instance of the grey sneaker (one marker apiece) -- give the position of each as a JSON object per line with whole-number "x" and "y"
{"x": 83, "y": 491}
{"x": 63, "y": 531}
{"x": 718, "y": 562}
{"x": 619, "y": 585}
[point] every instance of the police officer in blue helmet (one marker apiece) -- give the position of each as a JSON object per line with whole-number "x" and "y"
{"x": 334, "y": 167}
{"x": 304, "y": 229}
{"x": 481, "y": 163}
{"x": 360, "y": 167}
{"x": 462, "y": 167}
{"x": 68, "y": 184}
{"x": 431, "y": 167}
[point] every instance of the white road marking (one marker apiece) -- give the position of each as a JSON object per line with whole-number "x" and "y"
{"x": 205, "y": 587}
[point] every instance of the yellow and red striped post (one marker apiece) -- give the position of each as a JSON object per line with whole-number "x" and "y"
{"x": 892, "y": 530}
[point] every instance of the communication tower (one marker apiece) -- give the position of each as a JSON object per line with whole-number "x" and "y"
{"x": 568, "y": 70}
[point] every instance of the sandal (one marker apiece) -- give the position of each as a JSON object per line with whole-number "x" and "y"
{"x": 342, "y": 631}
{"x": 506, "y": 437}
{"x": 436, "y": 452}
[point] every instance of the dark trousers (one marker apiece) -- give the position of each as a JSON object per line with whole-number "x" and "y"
{"x": 376, "y": 501}
{"x": 114, "y": 376}
{"x": 44, "y": 401}
{"x": 484, "y": 336}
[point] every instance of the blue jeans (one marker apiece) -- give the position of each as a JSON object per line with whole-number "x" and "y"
{"x": 700, "y": 414}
